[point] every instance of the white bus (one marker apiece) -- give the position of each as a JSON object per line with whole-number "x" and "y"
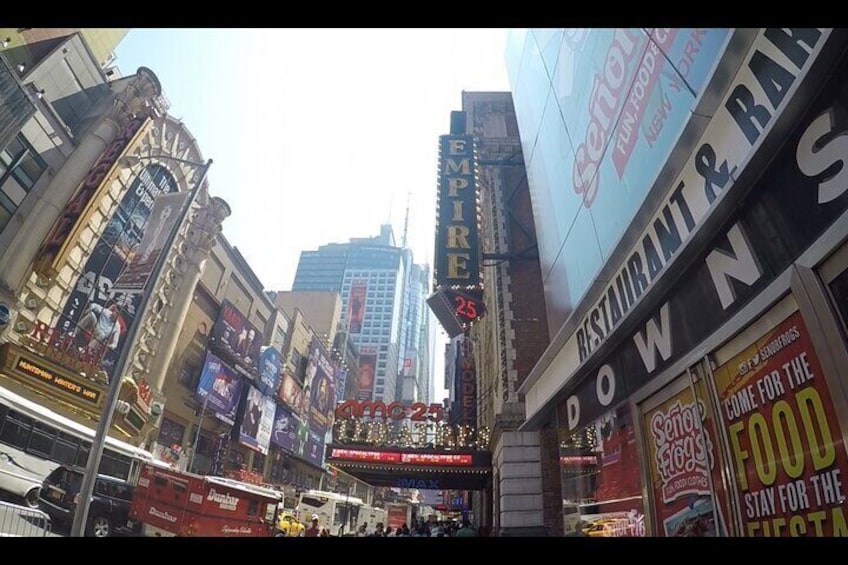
{"x": 35, "y": 440}
{"x": 338, "y": 513}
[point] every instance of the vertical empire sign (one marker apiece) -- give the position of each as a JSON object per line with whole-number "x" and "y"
{"x": 457, "y": 299}
{"x": 457, "y": 255}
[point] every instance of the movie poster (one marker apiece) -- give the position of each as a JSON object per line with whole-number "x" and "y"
{"x": 219, "y": 388}
{"x": 356, "y": 305}
{"x": 367, "y": 371}
{"x": 237, "y": 340}
{"x": 96, "y": 316}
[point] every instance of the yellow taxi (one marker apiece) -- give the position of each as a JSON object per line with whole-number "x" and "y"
{"x": 289, "y": 527}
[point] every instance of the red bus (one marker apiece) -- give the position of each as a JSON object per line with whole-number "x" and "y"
{"x": 175, "y": 503}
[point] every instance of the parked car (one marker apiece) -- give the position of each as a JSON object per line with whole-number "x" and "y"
{"x": 289, "y": 527}
{"x": 108, "y": 513}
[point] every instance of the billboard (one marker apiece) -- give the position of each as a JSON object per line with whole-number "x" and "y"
{"x": 96, "y": 316}
{"x": 284, "y": 433}
{"x": 313, "y": 448}
{"x": 320, "y": 388}
{"x": 291, "y": 393}
{"x": 258, "y": 420}
{"x": 237, "y": 340}
{"x": 163, "y": 219}
{"x": 367, "y": 371}
{"x": 341, "y": 382}
{"x": 356, "y": 305}
{"x": 618, "y": 100}
{"x": 219, "y": 388}
{"x": 457, "y": 247}
{"x": 269, "y": 370}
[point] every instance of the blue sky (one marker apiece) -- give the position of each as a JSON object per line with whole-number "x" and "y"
{"x": 319, "y": 135}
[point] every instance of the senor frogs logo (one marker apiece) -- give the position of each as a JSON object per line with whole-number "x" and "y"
{"x": 684, "y": 451}
{"x": 225, "y": 501}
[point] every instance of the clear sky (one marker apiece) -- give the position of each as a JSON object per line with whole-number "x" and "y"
{"x": 319, "y": 135}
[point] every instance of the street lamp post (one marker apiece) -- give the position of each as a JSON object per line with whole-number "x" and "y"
{"x": 94, "y": 456}
{"x": 197, "y": 434}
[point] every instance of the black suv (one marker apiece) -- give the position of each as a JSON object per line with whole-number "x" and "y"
{"x": 110, "y": 505}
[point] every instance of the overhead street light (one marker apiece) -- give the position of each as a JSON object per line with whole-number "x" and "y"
{"x": 105, "y": 423}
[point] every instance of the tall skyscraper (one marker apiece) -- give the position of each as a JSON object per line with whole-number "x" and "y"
{"x": 382, "y": 294}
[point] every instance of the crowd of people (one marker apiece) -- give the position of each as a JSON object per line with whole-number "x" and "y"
{"x": 419, "y": 529}
{"x": 446, "y": 528}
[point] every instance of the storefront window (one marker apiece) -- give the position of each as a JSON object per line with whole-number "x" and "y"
{"x": 683, "y": 461}
{"x": 839, "y": 293}
{"x": 600, "y": 479}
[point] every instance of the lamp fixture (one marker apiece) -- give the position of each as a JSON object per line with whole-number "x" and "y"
{"x": 6, "y": 42}
{"x": 21, "y": 67}
{"x": 40, "y": 94}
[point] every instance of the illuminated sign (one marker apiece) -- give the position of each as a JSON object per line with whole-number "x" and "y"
{"x": 420, "y": 435}
{"x": 466, "y": 385}
{"x": 416, "y": 412}
{"x": 403, "y": 458}
{"x": 54, "y": 380}
{"x": 457, "y": 309}
{"x": 457, "y": 249}
{"x": 421, "y": 484}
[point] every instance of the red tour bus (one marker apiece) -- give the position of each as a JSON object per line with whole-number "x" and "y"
{"x": 176, "y": 503}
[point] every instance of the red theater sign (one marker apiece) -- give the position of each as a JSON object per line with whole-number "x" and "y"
{"x": 398, "y": 457}
{"x": 417, "y": 412}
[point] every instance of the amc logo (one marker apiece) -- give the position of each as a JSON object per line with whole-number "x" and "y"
{"x": 416, "y": 412}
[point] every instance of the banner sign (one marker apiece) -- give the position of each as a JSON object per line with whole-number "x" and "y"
{"x": 219, "y": 388}
{"x": 785, "y": 442}
{"x": 684, "y": 465}
{"x": 367, "y": 371}
{"x": 320, "y": 388}
{"x": 96, "y": 316}
{"x": 163, "y": 221}
{"x": 76, "y": 212}
{"x": 237, "y": 340}
{"x": 257, "y": 420}
{"x": 270, "y": 362}
{"x": 291, "y": 393}
{"x": 356, "y": 305}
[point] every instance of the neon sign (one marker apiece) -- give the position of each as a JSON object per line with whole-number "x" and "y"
{"x": 397, "y": 457}
{"x": 419, "y": 435}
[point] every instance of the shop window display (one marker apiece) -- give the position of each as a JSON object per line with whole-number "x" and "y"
{"x": 600, "y": 482}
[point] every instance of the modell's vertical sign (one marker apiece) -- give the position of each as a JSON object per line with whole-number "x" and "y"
{"x": 457, "y": 256}
{"x": 465, "y": 407}
{"x": 75, "y": 215}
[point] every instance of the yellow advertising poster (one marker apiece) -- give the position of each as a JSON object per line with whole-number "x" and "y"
{"x": 784, "y": 441}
